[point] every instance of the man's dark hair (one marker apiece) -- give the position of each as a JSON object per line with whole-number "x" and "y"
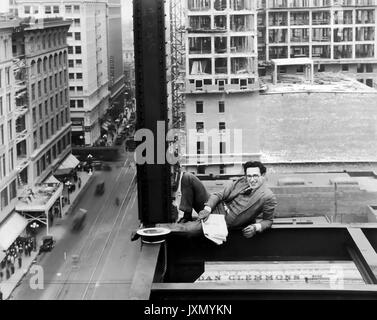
{"x": 254, "y": 164}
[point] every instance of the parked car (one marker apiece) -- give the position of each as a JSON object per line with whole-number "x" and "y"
{"x": 48, "y": 244}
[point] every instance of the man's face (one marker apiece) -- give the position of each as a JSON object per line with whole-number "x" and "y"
{"x": 254, "y": 177}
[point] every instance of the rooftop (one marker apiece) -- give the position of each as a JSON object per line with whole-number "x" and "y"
{"x": 326, "y": 82}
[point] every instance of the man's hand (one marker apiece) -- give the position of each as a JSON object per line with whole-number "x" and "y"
{"x": 249, "y": 231}
{"x": 203, "y": 215}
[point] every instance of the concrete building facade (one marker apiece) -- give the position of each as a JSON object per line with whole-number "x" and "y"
{"x": 339, "y": 35}
{"x": 8, "y": 117}
{"x": 221, "y": 79}
{"x": 42, "y": 98}
{"x": 87, "y": 58}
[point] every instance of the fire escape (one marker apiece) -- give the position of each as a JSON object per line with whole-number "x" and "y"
{"x": 20, "y": 72}
{"x": 98, "y": 46}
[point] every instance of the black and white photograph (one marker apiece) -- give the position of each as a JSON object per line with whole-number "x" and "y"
{"x": 186, "y": 154}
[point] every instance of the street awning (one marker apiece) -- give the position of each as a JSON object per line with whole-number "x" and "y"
{"x": 67, "y": 166}
{"x": 11, "y": 229}
{"x": 70, "y": 162}
{"x": 51, "y": 179}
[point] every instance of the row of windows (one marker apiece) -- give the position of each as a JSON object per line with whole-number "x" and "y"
{"x": 200, "y": 147}
{"x": 74, "y": 63}
{"x": 78, "y": 89}
{"x": 44, "y": 161}
{"x": 200, "y": 106}
{"x": 79, "y": 103}
{"x": 54, "y": 104}
{"x": 48, "y": 86}
{"x": 48, "y": 41}
{"x": 77, "y": 50}
{"x": 200, "y": 127}
{"x": 48, "y": 64}
{"x": 78, "y": 76}
{"x": 51, "y": 9}
{"x": 77, "y": 35}
{"x": 48, "y": 128}
{"x": 9, "y": 192}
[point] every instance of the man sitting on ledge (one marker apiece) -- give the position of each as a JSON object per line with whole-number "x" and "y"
{"x": 241, "y": 202}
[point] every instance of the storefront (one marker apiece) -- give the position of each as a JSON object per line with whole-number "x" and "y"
{"x": 10, "y": 229}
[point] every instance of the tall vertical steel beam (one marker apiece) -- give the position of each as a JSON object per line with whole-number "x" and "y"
{"x": 154, "y": 191}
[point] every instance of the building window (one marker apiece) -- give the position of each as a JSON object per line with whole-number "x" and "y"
{"x": 4, "y": 198}
{"x": 52, "y": 126}
{"x": 199, "y": 106}
{"x": 345, "y": 67}
{"x": 77, "y": 36}
{"x": 201, "y": 169}
{"x": 10, "y": 131}
{"x": 369, "y": 68}
{"x": 222, "y": 169}
{"x": 40, "y": 112}
{"x": 70, "y": 63}
{"x": 27, "y": 9}
{"x": 200, "y": 127}
{"x": 76, "y": 9}
{"x": 80, "y": 103}
{"x": 47, "y": 9}
{"x": 72, "y": 89}
{"x": 11, "y": 160}
{"x": 4, "y": 167}
{"x": 2, "y": 140}
{"x": 71, "y": 76}
{"x": 78, "y": 75}
{"x": 7, "y": 76}
{"x": 78, "y": 49}
{"x": 9, "y": 102}
{"x": 34, "y": 115}
{"x": 321, "y": 68}
{"x": 1, "y": 107}
{"x": 68, "y": 9}
{"x": 76, "y": 22}
{"x": 33, "y": 91}
{"x": 13, "y": 190}
{"x": 41, "y": 135}
{"x": 46, "y": 108}
{"x": 52, "y": 104}
{"x": 221, "y": 126}
{"x": 200, "y": 147}
{"x": 70, "y": 50}
{"x": 56, "y": 9}
{"x": 72, "y": 104}
{"x": 221, "y": 106}
{"x": 79, "y": 89}
{"x": 360, "y": 68}
{"x": 222, "y": 147}
{"x": 78, "y": 62}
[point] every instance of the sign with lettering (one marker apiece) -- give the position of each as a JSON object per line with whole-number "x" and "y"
{"x": 314, "y": 272}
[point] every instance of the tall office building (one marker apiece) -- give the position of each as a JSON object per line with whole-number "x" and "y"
{"x": 115, "y": 54}
{"x": 8, "y": 117}
{"x": 35, "y": 125}
{"x": 87, "y": 59}
{"x": 43, "y": 126}
{"x": 221, "y": 79}
{"x": 339, "y": 35}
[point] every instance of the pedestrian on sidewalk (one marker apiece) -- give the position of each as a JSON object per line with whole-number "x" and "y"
{"x": 19, "y": 261}
{"x": 12, "y": 268}
{"x": 79, "y": 182}
{"x": 7, "y": 273}
{"x": 1, "y": 275}
{"x": 1, "y": 295}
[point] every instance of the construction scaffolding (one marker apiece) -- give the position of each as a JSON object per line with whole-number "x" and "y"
{"x": 177, "y": 62}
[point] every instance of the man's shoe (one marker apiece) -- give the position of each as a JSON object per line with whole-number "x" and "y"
{"x": 134, "y": 236}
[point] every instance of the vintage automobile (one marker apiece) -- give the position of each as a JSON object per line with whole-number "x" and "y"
{"x": 100, "y": 188}
{"x": 48, "y": 244}
{"x": 78, "y": 221}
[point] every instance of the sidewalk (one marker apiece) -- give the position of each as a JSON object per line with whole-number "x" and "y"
{"x": 56, "y": 230}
